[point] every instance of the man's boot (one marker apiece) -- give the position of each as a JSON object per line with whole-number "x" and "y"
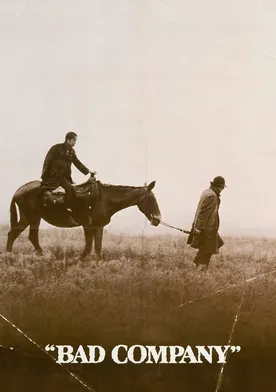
{"x": 71, "y": 221}
{"x": 195, "y": 260}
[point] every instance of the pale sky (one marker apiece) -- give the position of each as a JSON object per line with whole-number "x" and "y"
{"x": 175, "y": 91}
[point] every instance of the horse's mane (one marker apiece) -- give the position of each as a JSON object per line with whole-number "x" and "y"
{"x": 120, "y": 186}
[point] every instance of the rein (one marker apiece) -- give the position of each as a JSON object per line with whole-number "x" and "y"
{"x": 173, "y": 227}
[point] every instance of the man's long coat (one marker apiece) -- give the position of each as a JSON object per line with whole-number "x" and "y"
{"x": 57, "y": 164}
{"x": 207, "y": 220}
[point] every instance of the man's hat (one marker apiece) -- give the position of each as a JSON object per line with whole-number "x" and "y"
{"x": 218, "y": 181}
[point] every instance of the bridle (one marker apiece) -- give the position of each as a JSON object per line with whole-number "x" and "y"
{"x": 144, "y": 198}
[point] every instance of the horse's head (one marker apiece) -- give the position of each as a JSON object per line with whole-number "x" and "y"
{"x": 148, "y": 205}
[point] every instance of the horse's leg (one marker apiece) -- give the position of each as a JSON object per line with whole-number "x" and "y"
{"x": 98, "y": 236}
{"x": 16, "y": 229}
{"x": 33, "y": 234}
{"x": 88, "y": 233}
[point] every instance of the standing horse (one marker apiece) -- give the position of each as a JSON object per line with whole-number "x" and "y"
{"x": 30, "y": 200}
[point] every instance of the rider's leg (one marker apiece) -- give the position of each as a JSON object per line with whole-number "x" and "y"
{"x": 69, "y": 199}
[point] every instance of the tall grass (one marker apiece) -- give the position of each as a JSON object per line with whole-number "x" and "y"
{"x": 139, "y": 294}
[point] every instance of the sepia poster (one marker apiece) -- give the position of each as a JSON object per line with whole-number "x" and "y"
{"x": 138, "y": 231}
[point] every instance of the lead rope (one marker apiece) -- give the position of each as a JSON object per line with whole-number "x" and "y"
{"x": 173, "y": 227}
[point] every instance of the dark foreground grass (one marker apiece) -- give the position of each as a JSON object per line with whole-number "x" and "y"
{"x": 138, "y": 295}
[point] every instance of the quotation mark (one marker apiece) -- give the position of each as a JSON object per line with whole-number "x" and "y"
{"x": 50, "y": 347}
{"x": 236, "y": 349}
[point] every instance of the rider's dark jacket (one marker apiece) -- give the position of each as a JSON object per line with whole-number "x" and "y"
{"x": 57, "y": 164}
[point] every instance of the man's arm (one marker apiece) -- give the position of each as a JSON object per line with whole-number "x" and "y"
{"x": 80, "y": 166}
{"x": 207, "y": 206}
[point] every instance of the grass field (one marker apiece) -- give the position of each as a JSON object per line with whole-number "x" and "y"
{"x": 134, "y": 297}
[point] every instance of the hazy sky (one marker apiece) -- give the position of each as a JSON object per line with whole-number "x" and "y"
{"x": 175, "y": 91}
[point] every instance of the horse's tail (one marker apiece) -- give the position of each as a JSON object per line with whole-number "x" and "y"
{"x": 13, "y": 213}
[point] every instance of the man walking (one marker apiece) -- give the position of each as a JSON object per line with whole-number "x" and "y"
{"x": 204, "y": 234}
{"x": 57, "y": 170}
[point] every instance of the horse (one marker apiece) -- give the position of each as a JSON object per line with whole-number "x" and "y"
{"x": 30, "y": 201}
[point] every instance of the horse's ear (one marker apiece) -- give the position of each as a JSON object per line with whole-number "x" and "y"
{"x": 151, "y": 186}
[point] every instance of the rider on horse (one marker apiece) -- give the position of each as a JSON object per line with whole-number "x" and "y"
{"x": 57, "y": 170}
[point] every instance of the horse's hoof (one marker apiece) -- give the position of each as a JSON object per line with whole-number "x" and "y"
{"x": 204, "y": 269}
{"x": 99, "y": 257}
{"x": 83, "y": 259}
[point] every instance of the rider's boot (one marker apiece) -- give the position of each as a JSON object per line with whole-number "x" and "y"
{"x": 71, "y": 221}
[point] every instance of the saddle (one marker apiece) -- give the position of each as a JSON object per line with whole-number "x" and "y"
{"x": 88, "y": 191}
